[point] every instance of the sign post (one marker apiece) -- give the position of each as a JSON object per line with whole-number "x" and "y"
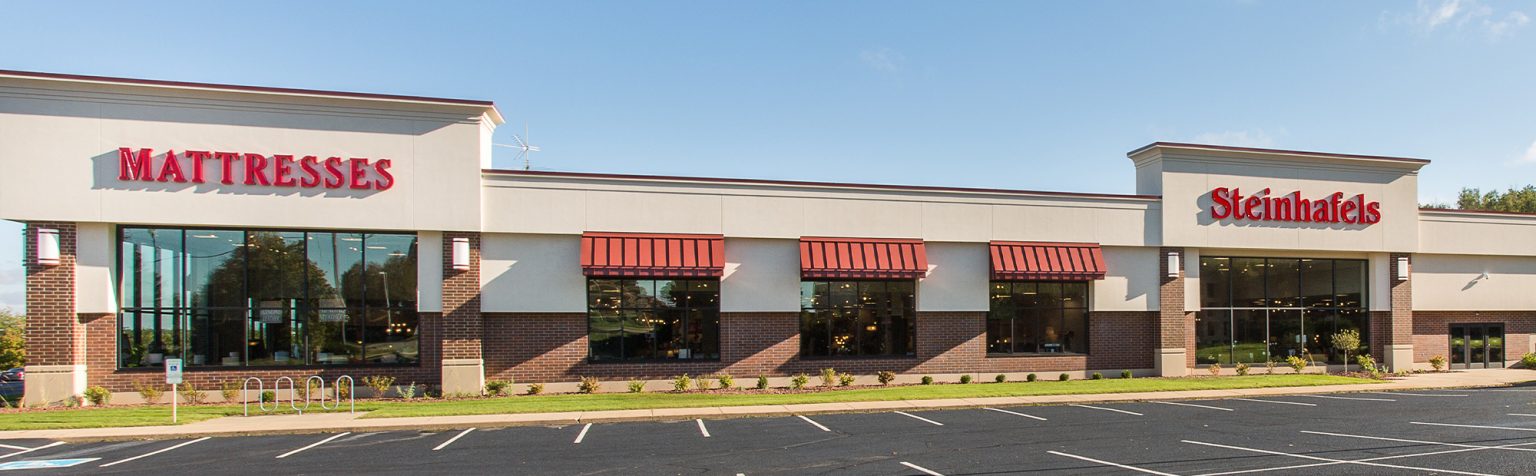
{"x": 173, "y": 377}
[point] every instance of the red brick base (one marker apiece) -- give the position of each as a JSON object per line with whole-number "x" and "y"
{"x": 1431, "y": 331}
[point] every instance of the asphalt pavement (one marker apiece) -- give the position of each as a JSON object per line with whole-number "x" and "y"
{"x": 1473, "y": 432}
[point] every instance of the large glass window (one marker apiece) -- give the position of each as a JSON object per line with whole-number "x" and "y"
{"x": 266, "y": 297}
{"x": 1029, "y": 317}
{"x": 641, "y": 319}
{"x": 1258, "y": 309}
{"x": 857, "y": 318}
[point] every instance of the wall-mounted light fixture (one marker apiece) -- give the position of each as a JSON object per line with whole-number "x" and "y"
{"x": 1402, "y": 268}
{"x": 461, "y": 253}
{"x": 47, "y": 247}
{"x": 1173, "y": 264}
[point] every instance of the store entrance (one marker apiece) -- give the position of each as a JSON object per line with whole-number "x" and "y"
{"x": 1477, "y": 346}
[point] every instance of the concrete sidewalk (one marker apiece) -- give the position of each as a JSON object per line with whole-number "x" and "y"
{"x": 337, "y": 422}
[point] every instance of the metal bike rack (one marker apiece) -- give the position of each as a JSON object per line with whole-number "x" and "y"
{"x": 245, "y": 390}
{"x": 351, "y": 393}
{"x": 293, "y": 394}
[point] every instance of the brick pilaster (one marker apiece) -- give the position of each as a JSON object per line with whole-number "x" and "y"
{"x": 1400, "y": 321}
{"x": 54, "y": 333}
{"x": 462, "y": 326}
{"x": 1175, "y": 326}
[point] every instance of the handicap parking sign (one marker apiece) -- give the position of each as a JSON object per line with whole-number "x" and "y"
{"x": 45, "y": 463}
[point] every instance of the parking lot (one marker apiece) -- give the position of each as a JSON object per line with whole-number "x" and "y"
{"x": 1469, "y": 432}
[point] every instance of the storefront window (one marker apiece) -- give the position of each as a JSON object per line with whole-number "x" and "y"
{"x": 1045, "y": 317}
{"x": 857, "y": 318}
{"x": 266, "y": 298}
{"x": 1258, "y": 309}
{"x": 653, "y": 319}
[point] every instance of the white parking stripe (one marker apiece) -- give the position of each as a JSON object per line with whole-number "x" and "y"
{"x": 1378, "y": 458}
{"x": 1350, "y": 398}
{"x": 152, "y": 453}
{"x": 813, "y": 422}
{"x": 1015, "y": 413}
{"x": 1423, "y": 394}
{"x": 1197, "y": 406}
{"x": 321, "y": 442}
{"x": 703, "y": 430}
{"x": 1276, "y": 401}
{"x": 451, "y": 440}
{"x": 582, "y": 435}
{"x": 1473, "y": 426}
{"x": 50, "y": 445}
{"x": 1522, "y": 414}
{"x": 1422, "y": 442}
{"x": 1504, "y": 390}
{"x": 14, "y": 447}
{"x": 1107, "y": 463}
{"x": 1335, "y": 461}
{"x": 927, "y": 471}
{"x": 1127, "y": 412}
{"x": 920, "y": 418}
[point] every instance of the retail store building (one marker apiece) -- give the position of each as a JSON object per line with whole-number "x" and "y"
{"x": 271, "y": 232}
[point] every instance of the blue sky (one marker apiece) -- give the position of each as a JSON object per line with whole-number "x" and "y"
{"x": 1028, "y": 95}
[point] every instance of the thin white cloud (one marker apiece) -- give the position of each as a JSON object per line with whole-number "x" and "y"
{"x": 1530, "y": 154}
{"x": 884, "y": 60}
{"x": 1243, "y": 138}
{"x": 1430, "y": 16}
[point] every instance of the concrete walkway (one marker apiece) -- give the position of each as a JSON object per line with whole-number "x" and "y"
{"x": 337, "y": 422}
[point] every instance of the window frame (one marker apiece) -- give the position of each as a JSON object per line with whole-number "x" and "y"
{"x": 1061, "y": 314}
{"x": 1302, "y": 306}
{"x": 683, "y": 323}
{"x": 911, "y": 324}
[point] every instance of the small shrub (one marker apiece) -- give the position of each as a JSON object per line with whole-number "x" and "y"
{"x": 1096, "y": 376}
{"x": 588, "y": 385}
{"x": 1438, "y": 362}
{"x": 1214, "y": 369}
{"x": 927, "y": 380}
{"x": 1030, "y": 378}
{"x": 379, "y": 383}
{"x": 1242, "y": 369}
{"x": 762, "y": 382}
{"x": 408, "y": 392}
{"x": 1126, "y": 374}
{"x": 727, "y": 381}
{"x": 1063, "y": 377}
{"x": 98, "y": 395}
{"x": 702, "y": 382}
{"x": 845, "y": 379}
{"x": 681, "y": 383}
{"x": 799, "y": 381}
{"x": 229, "y": 389}
{"x": 1269, "y": 367}
{"x": 828, "y": 377}
{"x": 343, "y": 392}
{"x": 268, "y": 396}
{"x": 1000, "y": 378}
{"x": 965, "y": 378}
{"x": 1528, "y": 360}
{"x": 1367, "y": 363}
{"x": 885, "y": 377}
{"x": 636, "y": 386}
{"x": 497, "y": 388}
{"x": 1346, "y": 341}
{"x": 535, "y": 389}
{"x": 190, "y": 394}
{"x": 149, "y": 391}
{"x": 1296, "y": 363}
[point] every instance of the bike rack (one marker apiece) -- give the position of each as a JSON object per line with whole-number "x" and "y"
{"x": 351, "y": 393}
{"x": 293, "y": 394}
{"x": 245, "y": 390}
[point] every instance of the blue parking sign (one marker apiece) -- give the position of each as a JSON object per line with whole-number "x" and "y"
{"x": 45, "y": 463}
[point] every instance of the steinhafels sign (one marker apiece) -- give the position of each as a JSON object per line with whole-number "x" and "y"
{"x": 1292, "y": 207}
{"x": 276, "y": 170}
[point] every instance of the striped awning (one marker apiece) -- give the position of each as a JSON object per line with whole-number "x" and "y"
{"x": 862, "y": 258}
{"x": 652, "y": 255}
{"x": 1047, "y": 261}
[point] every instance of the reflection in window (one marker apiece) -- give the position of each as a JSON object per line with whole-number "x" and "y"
{"x": 1038, "y": 317}
{"x": 1257, "y": 309}
{"x": 857, "y": 318}
{"x": 641, "y": 319}
{"x": 266, "y": 298}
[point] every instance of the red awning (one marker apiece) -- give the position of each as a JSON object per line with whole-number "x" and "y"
{"x": 862, "y": 258}
{"x": 1047, "y": 261}
{"x": 651, "y": 255}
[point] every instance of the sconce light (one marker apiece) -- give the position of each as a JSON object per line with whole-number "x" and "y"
{"x": 1402, "y": 268}
{"x": 461, "y": 253}
{"x": 47, "y": 247}
{"x": 1173, "y": 264}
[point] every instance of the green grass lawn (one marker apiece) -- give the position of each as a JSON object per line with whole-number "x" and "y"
{"x": 125, "y": 416}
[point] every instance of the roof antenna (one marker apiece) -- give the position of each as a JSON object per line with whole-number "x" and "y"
{"x": 525, "y": 149}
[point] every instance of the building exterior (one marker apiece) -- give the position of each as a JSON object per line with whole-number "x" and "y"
{"x": 276, "y": 232}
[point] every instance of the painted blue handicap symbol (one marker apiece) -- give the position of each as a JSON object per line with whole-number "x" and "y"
{"x": 45, "y": 463}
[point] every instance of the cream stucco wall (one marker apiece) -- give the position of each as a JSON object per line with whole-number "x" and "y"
{"x": 1131, "y": 283}
{"x": 959, "y": 276}
{"x": 761, "y": 275}
{"x": 1459, "y": 283}
{"x": 531, "y": 273}
{"x": 1453, "y": 232}
{"x": 429, "y": 271}
{"x": 95, "y": 268}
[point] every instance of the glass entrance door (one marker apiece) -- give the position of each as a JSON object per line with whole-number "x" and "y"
{"x": 1476, "y": 346}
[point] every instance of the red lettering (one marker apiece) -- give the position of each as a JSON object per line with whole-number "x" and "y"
{"x": 1373, "y": 212}
{"x": 359, "y": 173}
{"x": 172, "y": 168}
{"x": 1220, "y": 206}
{"x": 282, "y": 171}
{"x": 197, "y": 157}
{"x": 311, "y": 175}
{"x": 256, "y": 170}
{"x": 1248, "y": 205}
{"x": 385, "y": 179}
{"x": 226, "y": 160}
{"x": 1291, "y": 207}
{"x": 1347, "y": 211}
{"x": 333, "y": 169}
{"x": 1333, "y": 206}
{"x": 134, "y": 166}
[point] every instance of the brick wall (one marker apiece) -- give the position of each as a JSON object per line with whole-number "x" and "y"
{"x": 552, "y": 347}
{"x": 1399, "y": 326}
{"x": 1431, "y": 331}
{"x": 55, "y": 335}
{"x": 462, "y": 326}
{"x": 1175, "y": 327}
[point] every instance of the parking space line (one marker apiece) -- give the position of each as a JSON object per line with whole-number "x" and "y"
{"x": 1015, "y": 413}
{"x": 1423, "y": 394}
{"x": 50, "y": 445}
{"x": 1197, "y": 406}
{"x": 1422, "y": 442}
{"x": 321, "y": 442}
{"x": 451, "y": 440}
{"x": 1378, "y": 458}
{"x": 2, "y": 445}
{"x": 927, "y": 471}
{"x": 920, "y": 418}
{"x": 1276, "y": 401}
{"x": 582, "y": 435}
{"x": 813, "y": 422}
{"x": 1504, "y": 389}
{"x": 703, "y": 430}
{"x": 1107, "y": 463}
{"x": 1335, "y": 461}
{"x": 1350, "y": 398}
{"x": 1127, "y": 412}
{"x": 1457, "y": 425}
{"x": 1521, "y": 414}
{"x": 152, "y": 453}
